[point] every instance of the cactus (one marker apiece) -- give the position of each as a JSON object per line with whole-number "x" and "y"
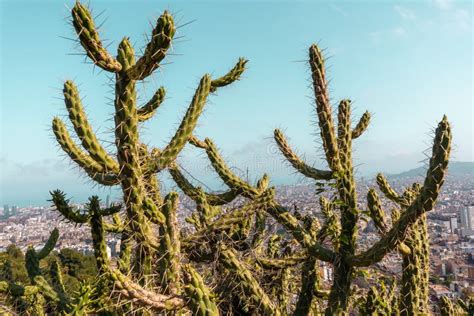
{"x": 337, "y": 145}
{"x": 163, "y": 268}
{"x": 41, "y": 296}
{"x": 152, "y": 259}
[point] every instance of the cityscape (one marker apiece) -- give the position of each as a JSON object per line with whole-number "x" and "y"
{"x": 450, "y": 225}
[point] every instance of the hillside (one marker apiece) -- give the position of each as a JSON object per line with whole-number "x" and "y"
{"x": 456, "y": 168}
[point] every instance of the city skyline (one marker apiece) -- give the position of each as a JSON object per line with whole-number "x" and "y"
{"x": 391, "y": 59}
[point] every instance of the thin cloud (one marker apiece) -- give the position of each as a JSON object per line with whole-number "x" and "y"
{"x": 405, "y": 13}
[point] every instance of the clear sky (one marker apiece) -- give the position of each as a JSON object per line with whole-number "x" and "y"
{"x": 407, "y": 62}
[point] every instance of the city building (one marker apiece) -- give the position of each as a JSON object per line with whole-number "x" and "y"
{"x": 454, "y": 224}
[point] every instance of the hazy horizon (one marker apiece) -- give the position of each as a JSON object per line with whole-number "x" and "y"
{"x": 408, "y": 63}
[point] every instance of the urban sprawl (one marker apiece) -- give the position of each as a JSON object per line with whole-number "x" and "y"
{"x": 450, "y": 225}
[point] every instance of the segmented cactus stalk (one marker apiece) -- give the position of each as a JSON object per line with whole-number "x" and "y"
{"x": 146, "y": 258}
{"x": 163, "y": 268}
{"x": 342, "y": 212}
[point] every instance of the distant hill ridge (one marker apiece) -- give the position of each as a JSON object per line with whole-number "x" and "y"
{"x": 455, "y": 168}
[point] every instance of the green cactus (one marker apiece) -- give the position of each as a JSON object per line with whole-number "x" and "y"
{"x": 152, "y": 259}
{"x": 43, "y": 297}
{"x": 337, "y": 144}
{"x": 155, "y": 268}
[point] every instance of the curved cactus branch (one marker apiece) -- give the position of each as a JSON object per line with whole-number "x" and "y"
{"x": 361, "y": 126}
{"x": 156, "y": 49}
{"x": 86, "y": 162}
{"x": 224, "y": 172}
{"x": 297, "y": 162}
{"x": 174, "y": 147}
{"x": 89, "y": 38}
{"x": 424, "y": 202}
{"x": 233, "y": 75}
{"x": 229, "y": 259}
{"x": 376, "y": 212}
{"x": 49, "y": 245}
{"x": 144, "y": 297}
{"x": 323, "y": 107}
{"x": 83, "y": 129}
{"x": 148, "y": 110}
{"x": 170, "y": 246}
{"x": 192, "y": 191}
{"x": 201, "y": 299}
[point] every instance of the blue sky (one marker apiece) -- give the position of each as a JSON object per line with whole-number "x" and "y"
{"x": 407, "y": 62}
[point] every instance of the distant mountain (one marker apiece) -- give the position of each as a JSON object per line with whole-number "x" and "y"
{"x": 456, "y": 168}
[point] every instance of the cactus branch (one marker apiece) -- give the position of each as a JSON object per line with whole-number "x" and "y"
{"x": 297, "y": 162}
{"x": 174, "y": 147}
{"x": 361, "y": 126}
{"x": 89, "y": 38}
{"x": 424, "y": 202}
{"x": 156, "y": 49}
{"x": 229, "y": 259}
{"x": 192, "y": 191}
{"x": 146, "y": 112}
{"x": 233, "y": 75}
{"x": 84, "y": 160}
{"x": 323, "y": 107}
{"x": 84, "y": 130}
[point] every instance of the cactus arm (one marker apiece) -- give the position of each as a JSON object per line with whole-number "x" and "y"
{"x": 376, "y": 212}
{"x": 83, "y": 129}
{"x": 446, "y": 307}
{"x": 424, "y": 202}
{"x": 62, "y": 205}
{"x": 152, "y": 212}
{"x": 224, "y": 172}
{"x": 144, "y": 297}
{"x": 201, "y": 299}
{"x": 89, "y": 38}
{"x": 361, "y": 126}
{"x": 113, "y": 228}
{"x": 283, "y": 216}
{"x": 233, "y": 75}
{"x": 156, "y": 49}
{"x": 89, "y": 165}
{"x": 146, "y": 111}
{"x": 46, "y": 289}
{"x": 170, "y": 246}
{"x": 113, "y": 209}
{"x": 50, "y": 244}
{"x": 229, "y": 259}
{"x": 387, "y": 189}
{"x": 297, "y": 162}
{"x": 280, "y": 263}
{"x": 323, "y": 107}
{"x": 331, "y": 227}
{"x": 32, "y": 263}
{"x": 125, "y": 255}
{"x": 196, "y": 142}
{"x": 309, "y": 283}
{"x": 171, "y": 151}
{"x": 192, "y": 191}
{"x": 98, "y": 234}
{"x": 107, "y": 179}
{"x": 58, "y": 285}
